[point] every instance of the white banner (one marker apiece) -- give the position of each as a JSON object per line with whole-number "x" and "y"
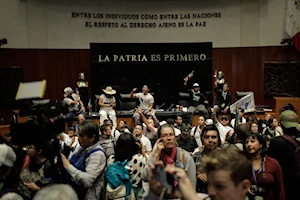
{"x": 247, "y": 103}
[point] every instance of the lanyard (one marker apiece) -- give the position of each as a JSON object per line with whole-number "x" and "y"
{"x": 261, "y": 169}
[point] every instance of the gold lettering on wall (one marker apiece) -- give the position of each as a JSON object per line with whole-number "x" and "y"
{"x": 152, "y": 57}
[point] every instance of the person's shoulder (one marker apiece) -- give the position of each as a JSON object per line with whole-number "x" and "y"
{"x": 279, "y": 140}
{"x": 144, "y": 138}
{"x": 270, "y": 159}
{"x": 66, "y": 99}
{"x": 185, "y": 153}
{"x": 137, "y": 157}
{"x": 98, "y": 149}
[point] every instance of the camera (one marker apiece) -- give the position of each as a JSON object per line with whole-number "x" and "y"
{"x": 258, "y": 191}
{"x": 45, "y": 123}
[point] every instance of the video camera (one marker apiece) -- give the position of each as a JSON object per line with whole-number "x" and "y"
{"x": 46, "y": 121}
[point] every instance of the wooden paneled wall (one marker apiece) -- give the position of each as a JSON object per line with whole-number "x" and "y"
{"x": 243, "y": 66}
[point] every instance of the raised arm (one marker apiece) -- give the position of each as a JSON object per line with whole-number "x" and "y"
{"x": 76, "y": 100}
{"x": 145, "y": 120}
{"x": 132, "y": 94}
{"x": 156, "y": 121}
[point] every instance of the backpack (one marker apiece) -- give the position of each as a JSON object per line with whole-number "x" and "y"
{"x": 119, "y": 184}
{"x": 296, "y": 152}
{"x": 180, "y": 155}
{"x": 79, "y": 163}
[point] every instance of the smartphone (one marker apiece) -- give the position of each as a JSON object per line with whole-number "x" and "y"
{"x": 166, "y": 179}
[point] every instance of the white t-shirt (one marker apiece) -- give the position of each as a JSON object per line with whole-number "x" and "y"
{"x": 146, "y": 143}
{"x": 223, "y": 130}
{"x": 145, "y": 100}
{"x": 68, "y": 101}
{"x": 197, "y": 135}
{"x": 232, "y": 122}
{"x": 115, "y": 134}
{"x": 177, "y": 131}
{"x": 107, "y": 101}
{"x": 67, "y": 140}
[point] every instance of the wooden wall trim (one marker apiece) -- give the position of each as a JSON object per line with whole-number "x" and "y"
{"x": 243, "y": 67}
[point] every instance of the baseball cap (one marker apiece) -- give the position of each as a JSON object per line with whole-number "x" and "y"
{"x": 7, "y": 155}
{"x": 209, "y": 122}
{"x": 224, "y": 117}
{"x": 196, "y": 85}
{"x": 185, "y": 130}
{"x": 289, "y": 119}
{"x": 67, "y": 91}
{"x": 162, "y": 123}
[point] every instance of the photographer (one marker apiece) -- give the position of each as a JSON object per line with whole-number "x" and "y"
{"x": 85, "y": 168}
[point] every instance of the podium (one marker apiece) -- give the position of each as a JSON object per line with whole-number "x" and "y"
{"x": 281, "y": 101}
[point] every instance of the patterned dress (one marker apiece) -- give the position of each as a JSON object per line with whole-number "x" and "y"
{"x": 137, "y": 165}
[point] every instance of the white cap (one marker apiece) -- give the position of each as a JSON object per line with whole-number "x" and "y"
{"x": 209, "y": 122}
{"x": 67, "y": 91}
{"x": 7, "y": 155}
{"x": 162, "y": 123}
{"x": 196, "y": 85}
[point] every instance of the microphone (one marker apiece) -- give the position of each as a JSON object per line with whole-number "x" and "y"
{"x": 170, "y": 107}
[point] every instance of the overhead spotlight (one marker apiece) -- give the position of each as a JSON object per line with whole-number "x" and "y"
{"x": 286, "y": 41}
{"x": 3, "y": 41}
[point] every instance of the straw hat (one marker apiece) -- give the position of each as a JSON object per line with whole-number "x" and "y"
{"x": 109, "y": 90}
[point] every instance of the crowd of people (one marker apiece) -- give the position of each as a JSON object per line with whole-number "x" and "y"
{"x": 249, "y": 158}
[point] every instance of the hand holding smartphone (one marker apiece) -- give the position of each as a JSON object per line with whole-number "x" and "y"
{"x": 166, "y": 179}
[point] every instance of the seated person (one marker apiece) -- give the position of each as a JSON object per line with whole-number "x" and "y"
{"x": 75, "y": 105}
{"x": 224, "y": 98}
{"x": 146, "y": 101}
{"x": 198, "y": 99}
{"x": 107, "y": 103}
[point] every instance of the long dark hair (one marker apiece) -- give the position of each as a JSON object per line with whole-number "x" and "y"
{"x": 126, "y": 147}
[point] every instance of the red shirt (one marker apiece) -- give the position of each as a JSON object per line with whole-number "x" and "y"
{"x": 273, "y": 185}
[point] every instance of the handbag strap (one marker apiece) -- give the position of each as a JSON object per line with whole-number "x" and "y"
{"x": 291, "y": 140}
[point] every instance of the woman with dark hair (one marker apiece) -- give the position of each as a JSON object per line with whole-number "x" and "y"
{"x": 273, "y": 128}
{"x": 129, "y": 149}
{"x": 267, "y": 180}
